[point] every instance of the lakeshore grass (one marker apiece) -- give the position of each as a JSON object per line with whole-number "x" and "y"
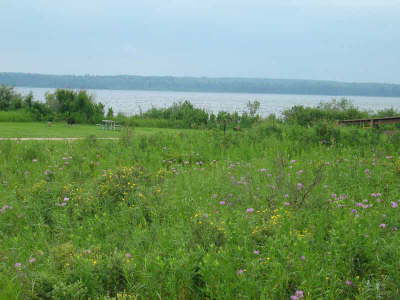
{"x": 269, "y": 213}
{"x": 63, "y": 130}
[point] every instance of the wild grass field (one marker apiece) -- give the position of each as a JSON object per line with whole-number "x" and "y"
{"x": 274, "y": 212}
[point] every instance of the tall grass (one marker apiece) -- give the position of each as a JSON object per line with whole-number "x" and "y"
{"x": 16, "y": 116}
{"x": 258, "y": 214}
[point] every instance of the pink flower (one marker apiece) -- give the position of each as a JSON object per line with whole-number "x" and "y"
{"x": 394, "y": 204}
{"x": 302, "y": 257}
{"x": 299, "y": 294}
{"x": 18, "y": 265}
{"x": 256, "y": 252}
{"x": 128, "y": 255}
{"x": 222, "y": 202}
{"x": 240, "y": 271}
{"x": 250, "y": 210}
{"x": 349, "y": 282}
{"x": 382, "y": 225}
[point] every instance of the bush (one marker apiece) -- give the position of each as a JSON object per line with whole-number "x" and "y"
{"x": 75, "y": 106}
{"x": 17, "y": 116}
{"x": 330, "y": 111}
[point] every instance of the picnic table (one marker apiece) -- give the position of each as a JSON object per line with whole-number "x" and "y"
{"x": 109, "y": 125}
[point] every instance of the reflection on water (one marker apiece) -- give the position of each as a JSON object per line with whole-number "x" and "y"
{"x": 132, "y": 102}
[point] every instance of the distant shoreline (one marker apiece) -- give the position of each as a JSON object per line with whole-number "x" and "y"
{"x": 202, "y": 85}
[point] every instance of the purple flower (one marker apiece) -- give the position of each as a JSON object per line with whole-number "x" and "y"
{"x": 300, "y": 186}
{"x": 18, "y": 265}
{"x": 382, "y": 225}
{"x": 240, "y": 271}
{"x": 222, "y": 202}
{"x": 256, "y": 252}
{"x": 128, "y": 255}
{"x": 302, "y": 257}
{"x": 299, "y": 294}
{"x": 354, "y": 211}
{"x": 294, "y": 297}
{"x": 349, "y": 282}
{"x": 250, "y": 210}
{"x": 66, "y": 199}
{"x": 376, "y": 194}
{"x": 334, "y": 196}
{"x": 394, "y": 204}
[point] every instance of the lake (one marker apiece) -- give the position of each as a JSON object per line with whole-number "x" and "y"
{"x": 131, "y": 101}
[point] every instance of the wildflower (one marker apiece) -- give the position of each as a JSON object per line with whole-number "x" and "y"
{"x": 367, "y": 171}
{"x": 389, "y": 157}
{"x": 240, "y": 271}
{"x": 250, "y": 210}
{"x": 394, "y": 204}
{"x": 286, "y": 196}
{"x": 302, "y": 257}
{"x": 300, "y": 186}
{"x": 334, "y": 196}
{"x": 349, "y": 282}
{"x": 32, "y": 260}
{"x": 222, "y": 202}
{"x": 354, "y": 211}
{"x": 299, "y": 294}
{"x": 34, "y": 160}
{"x": 286, "y": 203}
{"x": 382, "y": 225}
{"x": 263, "y": 170}
{"x": 18, "y": 265}
{"x": 66, "y": 199}
{"x": 293, "y": 161}
{"x": 376, "y": 195}
{"x": 257, "y": 252}
{"x": 128, "y": 255}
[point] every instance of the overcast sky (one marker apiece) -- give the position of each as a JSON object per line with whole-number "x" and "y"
{"x": 346, "y": 40}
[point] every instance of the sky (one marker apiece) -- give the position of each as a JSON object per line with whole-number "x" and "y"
{"x": 344, "y": 40}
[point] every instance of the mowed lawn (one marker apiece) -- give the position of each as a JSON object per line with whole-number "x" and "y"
{"x": 63, "y": 130}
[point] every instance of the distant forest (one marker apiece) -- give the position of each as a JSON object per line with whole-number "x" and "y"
{"x": 201, "y": 84}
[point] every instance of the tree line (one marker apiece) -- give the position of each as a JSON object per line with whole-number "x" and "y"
{"x": 202, "y": 84}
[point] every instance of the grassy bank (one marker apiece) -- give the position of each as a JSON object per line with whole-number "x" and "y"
{"x": 62, "y": 130}
{"x": 257, "y": 214}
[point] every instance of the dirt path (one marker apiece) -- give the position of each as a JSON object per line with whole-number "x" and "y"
{"x": 51, "y": 139}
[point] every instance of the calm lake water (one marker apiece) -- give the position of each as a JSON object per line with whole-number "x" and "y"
{"x": 132, "y": 102}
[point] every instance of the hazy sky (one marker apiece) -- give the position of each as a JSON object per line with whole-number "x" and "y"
{"x": 347, "y": 40}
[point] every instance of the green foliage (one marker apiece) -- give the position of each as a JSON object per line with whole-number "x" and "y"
{"x": 256, "y": 214}
{"x": 330, "y": 111}
{"x": 75, "y": 106}
{"x": 17, "y": 116}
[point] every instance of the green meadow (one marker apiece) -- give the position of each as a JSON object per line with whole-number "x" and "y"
{"x": 63, "y": 130}
{"x": 276, "y": 211}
